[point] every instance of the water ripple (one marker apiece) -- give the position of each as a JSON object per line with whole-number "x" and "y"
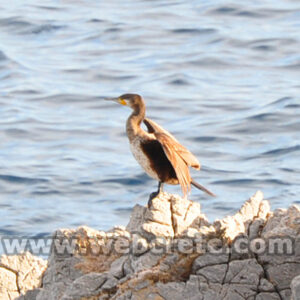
{"x": 21, "y": 180}
{"x": 193, "y": 31}
{"x": 281, "y": 151}
{"x": 223, "y": 78}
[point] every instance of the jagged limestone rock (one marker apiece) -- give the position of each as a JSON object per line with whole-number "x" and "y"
{"x": 19, "y": 274}
{"x": 8, "y": 283}
{"x": 168, "y": 216}
{"x": 253, "y": 209}
{"x": 170, "y": 251}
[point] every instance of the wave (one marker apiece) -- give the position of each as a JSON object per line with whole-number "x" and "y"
{"x": 22, "y": 180}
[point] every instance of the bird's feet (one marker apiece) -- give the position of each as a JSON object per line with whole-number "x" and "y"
{"x": 151, "y": 197}
{"x": 155, "y": 194}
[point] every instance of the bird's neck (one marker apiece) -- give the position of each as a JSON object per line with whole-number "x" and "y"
{"x": 134, "y": 121}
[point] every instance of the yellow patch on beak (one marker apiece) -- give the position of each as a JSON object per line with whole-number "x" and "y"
{"x": 122, "y": 101}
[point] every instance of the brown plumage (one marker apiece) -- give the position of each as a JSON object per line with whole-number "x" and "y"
{"x": 157, "y": 151}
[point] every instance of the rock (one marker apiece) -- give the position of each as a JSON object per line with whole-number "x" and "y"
{"x": 168, "y": 216}
{"x": 30, "y": 295}
{"x": 56, "y": 291}
{"x": 285, "y": 294}
{"x": 268, "y": 296}
{"x": 213, "y": 274}
{"x": 170, "y": 251}
{"x": 209, "y": 259}
{"x": 282, "y": 256}
{"x": 283, "y": 222}
{"x": 85, "y": 286}
{"x": 136, "y": 219}
{"x": 254, "y": 208}
{"x": 283, "y": 275}
{"x": 295, "y": 287}
{"x": 19, "y": 274}
{"x": 266, "y": 286}
{"x": 246, "y": 272}
{"x": 8, "y": 284}
{"x": 117, "y": 267}
{"x": 171, "y": 290}
{"x": 146, "y": 261}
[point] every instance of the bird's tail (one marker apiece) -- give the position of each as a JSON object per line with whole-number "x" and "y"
{"x": 202, "y": 188}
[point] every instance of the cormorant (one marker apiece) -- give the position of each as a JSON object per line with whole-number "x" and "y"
{"x": 157, "y": 151}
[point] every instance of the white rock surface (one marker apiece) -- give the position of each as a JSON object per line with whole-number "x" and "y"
{"x": 19, "y": 274}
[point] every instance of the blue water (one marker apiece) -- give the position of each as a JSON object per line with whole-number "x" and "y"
{"x": 224, "y": 77}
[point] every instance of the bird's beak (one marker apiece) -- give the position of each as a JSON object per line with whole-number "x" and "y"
{"x": 118, "y": 100}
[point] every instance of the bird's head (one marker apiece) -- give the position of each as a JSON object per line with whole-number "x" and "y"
{"x": 131, "y": 100}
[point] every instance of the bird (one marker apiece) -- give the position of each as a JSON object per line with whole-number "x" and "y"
{"x": 157, "y": 151}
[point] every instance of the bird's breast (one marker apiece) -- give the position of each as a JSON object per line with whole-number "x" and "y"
{"x": 142, "y": 158}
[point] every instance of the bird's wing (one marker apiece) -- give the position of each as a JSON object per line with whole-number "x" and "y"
{"x": 179, "y": 156}
{"x": 184, "y": 153}
{"x": 179, "y": 165}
